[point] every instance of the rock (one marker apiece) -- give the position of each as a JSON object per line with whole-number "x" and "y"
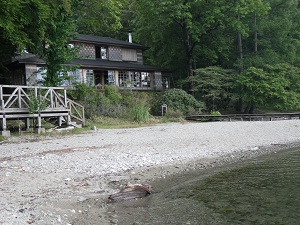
{"x": 131, "y": 191}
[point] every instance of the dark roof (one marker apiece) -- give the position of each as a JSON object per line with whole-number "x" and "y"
{"x": 97, "y": 64}
{"x": 111, "y": 65}
{"x": 33, "y": 60}
{"x": 106, "y": 41}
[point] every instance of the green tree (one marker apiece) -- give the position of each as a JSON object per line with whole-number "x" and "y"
{"x": 214, "y": 86}
{"x": 54, "y": 49}
{"x": 275, "y": 87}
{"x": 21, "y": 26}
{"x": 180, "y": 26}
{"x": 100, "y": 17}
{"x": 43, "y": 27}
{"x": 274, "y": 37}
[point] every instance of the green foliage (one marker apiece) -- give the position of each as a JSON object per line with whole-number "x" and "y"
{"x": 182, "y": 31}
{"x": 172, "y": 114}
{"x": 177, "y": 100}
{"x": 214, "y": 86}
{"x": 96, "y": 103}
{"x": 100, "y": 17}
{"x": 60, "y": 30}
{"x": 37, "y": 103}
{"x": 276, "y": 87}
{"x": 112, "y": 93}
{"x": 139, "y": 112}
{"x": 41, "y": 27}
{"x": 216, "y": 113}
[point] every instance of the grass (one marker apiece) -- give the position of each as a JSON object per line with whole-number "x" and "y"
{"x": 113, "y": 123}
{"x": 99, "y": 122}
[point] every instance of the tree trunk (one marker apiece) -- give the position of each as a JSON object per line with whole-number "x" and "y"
{"x": 255, "y": 34}
{"x": 240, "y": 44}
{"x": 239, "y": 106}
{"x": 188, "y": 47}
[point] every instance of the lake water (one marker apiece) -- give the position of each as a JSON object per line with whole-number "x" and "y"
{"x": 264, "y": 190}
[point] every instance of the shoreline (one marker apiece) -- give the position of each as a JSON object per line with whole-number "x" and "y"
{"x": 46, "y": 182}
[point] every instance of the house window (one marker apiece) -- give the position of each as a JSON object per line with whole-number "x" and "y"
{"x": 146, "y": 79}
{"x": 110, "y": 77}
{"x": 129, "y": 55}
{"x": 123, "y": 78}
{"x": 101, "y": 52}
{"x": 90, "y": 77}
{"x": 40, "y": 75}
{"x": 134, "y": 79}
{"x": 165, "y": 82}
{"x": 76, "y": 76}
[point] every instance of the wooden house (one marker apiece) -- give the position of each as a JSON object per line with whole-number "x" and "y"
{"x": 100, "y": 61}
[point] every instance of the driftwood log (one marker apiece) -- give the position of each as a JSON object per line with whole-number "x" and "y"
{"x": 131, "y": 191}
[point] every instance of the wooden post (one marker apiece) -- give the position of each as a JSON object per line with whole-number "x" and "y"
{"x": 4, "y": 132}
{"x": 65, "y": 99}
{"x": 39, "y": 121}
{"x": 35, "y": 92}
{"x": 51, "y": 98}
{"x": 27, "y": 123}
{"x": 4, "y": 123}
{"x": 59, "y": 120}
{"x": 19, "y": 98}
{"x": 1, "y": 97}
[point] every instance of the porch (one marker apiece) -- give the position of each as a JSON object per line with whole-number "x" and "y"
{"x": 32, "y": 103}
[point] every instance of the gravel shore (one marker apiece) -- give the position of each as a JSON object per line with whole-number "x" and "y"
{"x": 42, "y": 179}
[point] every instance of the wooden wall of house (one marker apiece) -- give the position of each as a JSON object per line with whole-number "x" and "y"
{"x": 158, "y": 81}
{"x": 115, "y": 53}
{"x": 16, "y": 77}
{"x": 86, "y": 51}
{"x": 31, "y": 74}
{"x": 140, "y": 56}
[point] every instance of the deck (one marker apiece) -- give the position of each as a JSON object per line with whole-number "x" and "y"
{"x": 32, "y": 103}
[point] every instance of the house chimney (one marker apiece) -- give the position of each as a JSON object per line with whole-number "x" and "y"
{"x": 130, "y": 36}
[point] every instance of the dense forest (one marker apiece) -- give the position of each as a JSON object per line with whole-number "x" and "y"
{"x": 232, "y": 55}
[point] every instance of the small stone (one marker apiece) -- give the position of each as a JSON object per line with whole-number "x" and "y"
{"x": 81, "y": 199}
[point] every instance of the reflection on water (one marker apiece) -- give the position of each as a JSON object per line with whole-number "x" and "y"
{"x": 265, "y": 190}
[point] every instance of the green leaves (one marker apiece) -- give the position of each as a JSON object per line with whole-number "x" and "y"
{"x": 275, "y": 87}
{"x": 179, "y": 100}
{"x": 214, "y": 86}
{"x": 99, "y": 17}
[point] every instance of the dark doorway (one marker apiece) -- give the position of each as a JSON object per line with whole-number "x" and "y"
{"x": 101, "y": 78}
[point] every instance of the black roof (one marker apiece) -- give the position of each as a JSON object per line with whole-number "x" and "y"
{"x": 99, "y": 64}
{"x": 106, "y": 41}
{"x": 105, "y": 64}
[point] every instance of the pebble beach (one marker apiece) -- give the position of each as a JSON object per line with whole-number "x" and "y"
{"x": 45, "y": 178}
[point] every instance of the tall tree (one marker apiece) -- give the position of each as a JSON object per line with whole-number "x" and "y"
{"x": 273, "y": 86}
{"x": 59, "y": 31}
{"x": 22, "y": 25}
{"x": 276, "y": 35}
{"x": 193, "y": 19}
{"x": 100, "y": 17}
{"x": 41, "y": 26}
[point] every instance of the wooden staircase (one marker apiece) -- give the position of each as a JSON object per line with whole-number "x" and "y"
{"x": 36, "y": 103}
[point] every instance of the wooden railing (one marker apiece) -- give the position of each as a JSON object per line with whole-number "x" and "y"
{"x": 245, "y": 117}
{"x": 18, "y": 101}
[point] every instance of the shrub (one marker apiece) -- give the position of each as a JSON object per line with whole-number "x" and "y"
{"x": 215, "y": 113}
{"x": 112, "y": 93}
{"x": 138, "y": 112}
{"x": 177, "y": 100}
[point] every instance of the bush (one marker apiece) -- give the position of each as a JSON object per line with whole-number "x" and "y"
{"x": 112, "y": 93}
{"x": 139, "y": 112}
{"x": 97, "y": 103}
{"x": 177, "y": 100}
